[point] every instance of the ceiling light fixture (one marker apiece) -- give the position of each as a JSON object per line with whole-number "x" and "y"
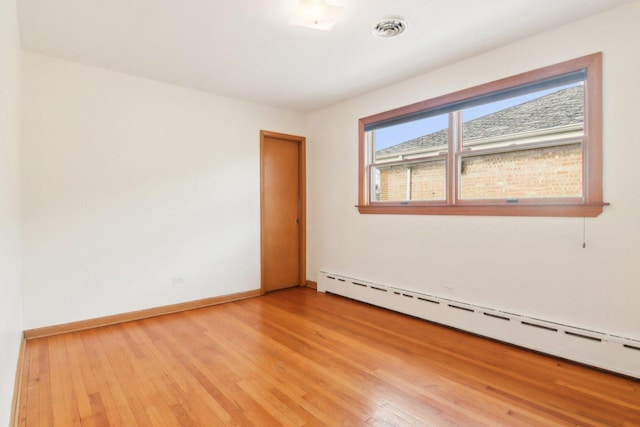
{"x": 389, "y": 27}
{"x": 316, "y": 14}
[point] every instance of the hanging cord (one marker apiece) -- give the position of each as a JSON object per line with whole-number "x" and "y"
{"x": 584, "y": 232}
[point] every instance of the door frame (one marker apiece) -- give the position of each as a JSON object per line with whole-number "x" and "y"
{"x": 302, "y": 185}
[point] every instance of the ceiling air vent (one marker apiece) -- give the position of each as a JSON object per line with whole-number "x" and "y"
{"x": 390, "y": 27}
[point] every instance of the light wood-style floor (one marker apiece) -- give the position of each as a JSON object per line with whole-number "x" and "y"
{"x": 296, "y": 357}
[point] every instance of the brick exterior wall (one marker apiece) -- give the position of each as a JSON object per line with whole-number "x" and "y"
{"x": 427, "y": 182}
{"x": 542, "y": 172}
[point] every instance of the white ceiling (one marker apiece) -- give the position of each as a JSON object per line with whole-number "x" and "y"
{"x": 246, "y": 49}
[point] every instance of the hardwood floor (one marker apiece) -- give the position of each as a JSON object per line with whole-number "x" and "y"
{"x": 296, "y": 357}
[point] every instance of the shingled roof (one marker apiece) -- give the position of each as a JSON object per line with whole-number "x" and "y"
{"x": 561, "y": 108}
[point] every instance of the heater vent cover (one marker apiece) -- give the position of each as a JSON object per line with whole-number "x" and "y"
{"x": 390, "y": 27}
{"x": 596, "y": 348}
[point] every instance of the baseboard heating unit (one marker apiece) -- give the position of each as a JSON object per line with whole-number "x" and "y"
{"x": 606, "y": 351}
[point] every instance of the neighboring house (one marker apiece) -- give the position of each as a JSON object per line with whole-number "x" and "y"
{"x": 539, "y": 141}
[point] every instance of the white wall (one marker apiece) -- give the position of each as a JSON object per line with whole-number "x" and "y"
{"x": 532, "y": 266}
{"x": 10, "y": 276}
{"x": 128, "y": 183}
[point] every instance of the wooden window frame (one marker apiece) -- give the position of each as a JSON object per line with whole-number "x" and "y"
{"x": 589, "y": 205}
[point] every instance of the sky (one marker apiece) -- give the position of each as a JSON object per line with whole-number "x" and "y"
{"x": 392, "y": 135}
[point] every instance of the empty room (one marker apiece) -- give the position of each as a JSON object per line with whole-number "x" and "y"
{"x": 319, "y": 212}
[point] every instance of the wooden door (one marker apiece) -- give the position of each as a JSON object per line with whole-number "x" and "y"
{"x": 282, "y": 199}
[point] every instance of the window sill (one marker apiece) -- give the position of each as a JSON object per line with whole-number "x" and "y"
{"x": 550, "y": 210}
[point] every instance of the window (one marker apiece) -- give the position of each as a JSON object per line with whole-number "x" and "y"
{"x": 526, "y": 145}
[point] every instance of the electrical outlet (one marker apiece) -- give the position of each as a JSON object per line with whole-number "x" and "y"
{"x": 177, "y": 281}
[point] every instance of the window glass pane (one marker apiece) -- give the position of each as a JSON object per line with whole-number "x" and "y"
{"x": 414, "y": 139}
{"x": 424, "y": 181}
{"x": 524, "y": 119}
{"x": 532, "y": 138}
{"x": 534, "y": 173}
